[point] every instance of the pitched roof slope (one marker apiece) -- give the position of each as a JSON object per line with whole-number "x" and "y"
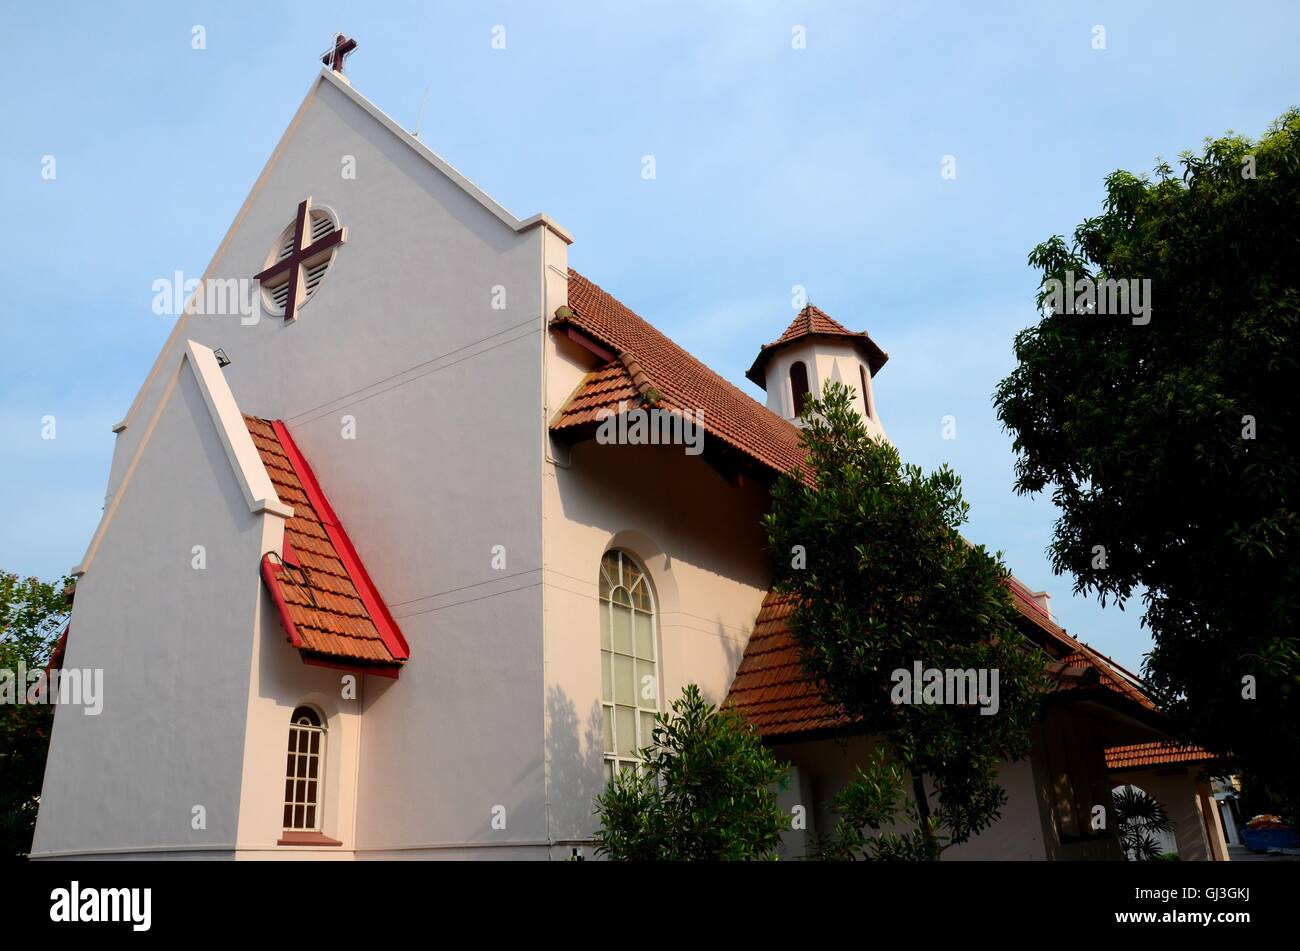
{"x": 328, "y": 606}
{"x": 773, "y": 693}
{"x": 683, "y": 383}
{"x": 1077, "y": 654}
{"x": 812, "y": 320}
{"x": 769, "y": 687}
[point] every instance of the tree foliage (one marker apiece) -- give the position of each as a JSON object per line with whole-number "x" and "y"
{"x": 869, "y": 550}
{"x": 1171, "y": 448}
{"x": 1138, "y": 817}
{"x": 706, "y": 791}
{"x": 31, "y": 613}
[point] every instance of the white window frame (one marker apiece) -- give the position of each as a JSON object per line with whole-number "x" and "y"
{"x": 644, "y": 710}
{"x": 299, "y": 748}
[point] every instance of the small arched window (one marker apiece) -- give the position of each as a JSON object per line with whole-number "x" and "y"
{"x": 629, "y": 675}
{"x": 866, "y": 400}
{"x": 304, "y": 771}
{"x": 799, "y": 385}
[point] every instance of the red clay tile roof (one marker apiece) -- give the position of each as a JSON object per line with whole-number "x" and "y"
{"x": 1143, "y": 755}
{"x": 814, "y": 322}
{"x": 680, "y": 381}
{"x": 328, "y": 606}
{"x": 770, "y": 688}
{"x": 604, "y": 388}
{"x": 1070, "y": 652}
{"x": 1089, "y": 659}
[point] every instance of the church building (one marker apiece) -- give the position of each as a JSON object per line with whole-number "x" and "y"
{"x": 369, "y": 583}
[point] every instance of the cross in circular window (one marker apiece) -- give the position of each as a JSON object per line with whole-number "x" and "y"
{"x": 307, "y": 246}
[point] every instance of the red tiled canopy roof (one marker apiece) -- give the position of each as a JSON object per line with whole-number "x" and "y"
{"x": 328, "y": 606}
{"x": 771, "y": 690}
{"x": 814, "y": 322}
{"x": 648, "y": 365}
{"x": 1144, "y": 755}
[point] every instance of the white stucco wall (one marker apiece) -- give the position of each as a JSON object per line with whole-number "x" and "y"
{"x": 174, "y": 644}
{"x": 442, "y": 391}
{"x": 698, "y": 537}
{"x": 279, "y": 682}
{"x": 1177, "y": 790}
{"x": 822, "y": 769}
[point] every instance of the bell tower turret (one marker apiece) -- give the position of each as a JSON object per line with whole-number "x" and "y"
{"x": 814, "y": 350}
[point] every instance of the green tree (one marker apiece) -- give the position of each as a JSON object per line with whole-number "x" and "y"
{"x": 870, "y": 552}
{"x": 705, "y": 791}
{"x": 1170, "y": 447}
{"x": 31, "y": 613}
{"x": 1138, "y": 817}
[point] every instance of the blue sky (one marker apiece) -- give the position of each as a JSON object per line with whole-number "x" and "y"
{"x": 775, "y": 167}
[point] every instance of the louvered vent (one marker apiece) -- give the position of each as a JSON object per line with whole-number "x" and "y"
{"x": 322, "y": 224}
{"x": 314, "y": 273}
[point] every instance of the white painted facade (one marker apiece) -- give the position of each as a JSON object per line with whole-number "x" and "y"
{"x": 403, "y": 344}
{"x": 419, "y": 382}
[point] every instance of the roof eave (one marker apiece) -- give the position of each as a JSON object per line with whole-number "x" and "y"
{"x": 757, "y": 372}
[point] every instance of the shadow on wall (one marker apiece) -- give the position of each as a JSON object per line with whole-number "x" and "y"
{"x": 733, "y": 650}
{"x": 679, "y": 501}
{"x": 576, "y": 761}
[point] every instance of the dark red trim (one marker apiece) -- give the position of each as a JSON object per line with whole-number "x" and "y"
{"x": 271, "y": 575}
{"x": 587, "y": 343}
{"x": 343, "y": 45}
{"x": 60, "y": 648}
{"x": 306, "y": 838}
{"x": 290, "y": 555}
{"x": 379, "y": 670}
{"x": 389, "y": 632}
{"x": 1027, "y": 597}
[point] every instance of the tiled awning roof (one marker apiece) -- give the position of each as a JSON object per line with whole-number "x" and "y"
{"x": 1148, "y": 755}
{"x": 328, "y": 606}
{"x": 771, "y": 690}
{"x": 648, "y": 364}
{"x": 603, "y": 390}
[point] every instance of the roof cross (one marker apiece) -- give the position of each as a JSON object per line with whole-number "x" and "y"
{"x": 343, "y": 45}
{"x": 299, "y": 256}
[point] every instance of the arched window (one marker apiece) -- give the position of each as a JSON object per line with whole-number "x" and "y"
{"x": 629, "y": 678}
{"x": 866, "y": 400}
{"x": 304, "y": 771}
{"x": 799, "y": 385}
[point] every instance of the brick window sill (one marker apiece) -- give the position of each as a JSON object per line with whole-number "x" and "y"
{"x": 307, "y": 838}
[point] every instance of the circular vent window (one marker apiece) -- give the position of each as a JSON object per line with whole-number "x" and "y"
{"x": 311, "y": 271}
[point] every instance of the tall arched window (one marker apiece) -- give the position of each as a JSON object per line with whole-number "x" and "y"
{"x": 799, "y": 385}
{"x": 304, "y": 771}
{"x": 629, "y": 677}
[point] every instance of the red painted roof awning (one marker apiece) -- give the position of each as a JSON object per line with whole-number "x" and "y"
{"x": 328, "y": 606}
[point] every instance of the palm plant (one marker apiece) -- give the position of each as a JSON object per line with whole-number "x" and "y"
{"x": 1138, "y": 818}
